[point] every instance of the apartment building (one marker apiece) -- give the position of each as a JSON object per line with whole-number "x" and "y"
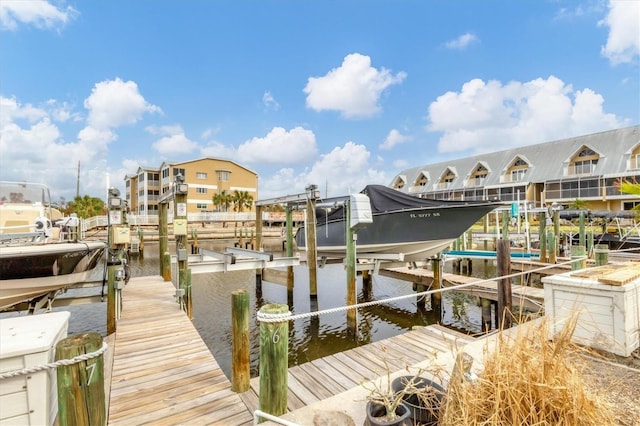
{"x": 579, "y": 168}
{"x": 205, "y": 177}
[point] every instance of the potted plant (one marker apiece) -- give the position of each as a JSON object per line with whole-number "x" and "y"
{"x": 423, "y": 397}
{"x": 385, "y": 406}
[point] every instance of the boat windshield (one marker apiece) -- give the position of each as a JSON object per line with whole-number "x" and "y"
{"x": 31, "y": 194}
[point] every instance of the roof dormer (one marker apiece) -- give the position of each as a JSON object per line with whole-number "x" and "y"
{"x": 478, "y": 174}
{"x": 583, "y": 162}
{"x": 517, "y": 170}
{"x": 447, "y": 178}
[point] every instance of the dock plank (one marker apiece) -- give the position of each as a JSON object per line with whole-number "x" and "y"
{"x": 162, "y": 372}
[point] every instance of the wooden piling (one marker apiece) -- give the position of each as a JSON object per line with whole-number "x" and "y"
{"x": 486, "y": 314}
{"x": 436, "y": 298}
{"x": 551, "y": 247}
{"x": 166, "y": 266}
{"x": 274, "y": 356}
{"x": 310, "y": 228}
{"x": 112, "y": 266}
{"x": 578, "y": 252}
{"x": 163, "y": 239}
{"x": 81, "y": 397}
{"x": 350, "y": 242}
{"x": 542, "y": 234}
{"x": 601, "y": 253}
{"x": 503, "y": 254}
{"x": 240, "y": 347}
{"x": 259, "y": 228}
{"x": 581, "y": 231}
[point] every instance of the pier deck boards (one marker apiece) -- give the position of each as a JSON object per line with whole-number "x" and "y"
{"x": 163, "y": 373}
{"x": 331, "y": 375}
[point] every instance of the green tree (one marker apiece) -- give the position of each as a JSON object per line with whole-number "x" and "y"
{"x": 222, "y": 200}
{"x": 86, "y": 206}
{"x": 630, "y": 187}
{"x": 241, "y": 200}
{"x": 578, "y": 204}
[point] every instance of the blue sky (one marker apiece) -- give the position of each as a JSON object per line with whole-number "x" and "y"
{"x": 336, "y": 93}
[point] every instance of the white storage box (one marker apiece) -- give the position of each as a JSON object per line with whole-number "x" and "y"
{"x": 609, "y": 315}
{"x": 27, "y": 342}
{"x": 360, "y": 211}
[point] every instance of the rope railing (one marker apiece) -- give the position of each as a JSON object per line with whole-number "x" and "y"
{"x": 56, "y": 364}
{"x": 266, "y": 317}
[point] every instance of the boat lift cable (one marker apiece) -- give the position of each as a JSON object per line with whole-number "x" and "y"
{"x": 265, "y": 317}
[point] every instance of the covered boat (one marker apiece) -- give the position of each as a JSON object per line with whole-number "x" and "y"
{"x": 402, "y": 224}
{"x": 38, "y": 255}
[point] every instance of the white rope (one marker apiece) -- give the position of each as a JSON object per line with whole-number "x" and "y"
{"x": 267, "y": 317}
{"x": 61, "y": 362}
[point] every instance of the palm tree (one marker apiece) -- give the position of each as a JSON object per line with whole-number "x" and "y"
{"x": 222, "y": 199}
{"x": 241, "y": 199}
{"x": 578, "y": 204}
{"x": 630, "y": 187}
{"x": 86, "y": 206}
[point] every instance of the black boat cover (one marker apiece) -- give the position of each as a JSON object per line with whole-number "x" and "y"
{"x": 385, "y": 199}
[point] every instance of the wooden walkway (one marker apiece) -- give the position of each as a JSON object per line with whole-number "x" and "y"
{"x": 163, "y": 373}
{"x": 325, "y": 377}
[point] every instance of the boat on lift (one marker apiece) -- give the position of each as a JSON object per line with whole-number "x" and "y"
{"x": 40, "y": 253}
{"x": 402, "y": 226}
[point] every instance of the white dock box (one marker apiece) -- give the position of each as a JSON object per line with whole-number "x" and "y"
{"x": 27, "y": 342}
{"x": 609, "y": 315}
{"x": 360, "y": 211}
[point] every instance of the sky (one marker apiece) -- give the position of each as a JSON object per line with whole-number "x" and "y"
{"x": 339, "y": 94}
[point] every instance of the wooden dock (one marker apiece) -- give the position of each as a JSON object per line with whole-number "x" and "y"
{"x": 329, "y": 376}
{"x": 159, "y": 371}
{"x": 531, "y": 298}
{"x": 163, "y": 373}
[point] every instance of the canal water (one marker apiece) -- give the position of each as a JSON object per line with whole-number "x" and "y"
{"x": 309, "y": 338}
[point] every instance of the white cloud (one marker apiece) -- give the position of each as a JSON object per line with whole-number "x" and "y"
{"x": 400, "y": 164}
{"x": 354, "y": 88}
{"x": 394, "y": 138}
{"x": 623, "y": 42}
{"x": 488, "y": 116}
{"x": 218, "y": 150}
{"x": 343, "y": 170}
{"x": 114, "y": 103}
{"x": 172, "y": 140}
{"x": 462, "y": 41}
{"x": 270, "y": 102}
{"x": 279, "y": 147}
{"x": 39, "y": 13}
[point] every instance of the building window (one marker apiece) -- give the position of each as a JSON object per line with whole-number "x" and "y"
{"x": 201, "y": 175}
{"x": 165, "y": 173}
{"x": 223, "y": 175}
{"x": 201, "y": 206}
{"x": 178, "y": 171}
{"x": 201, "y": 190}
{"x": 422, "y": 181}
{"x": 518, "y": 175}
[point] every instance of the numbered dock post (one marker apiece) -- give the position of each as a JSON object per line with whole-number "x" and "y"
{"x": 274, "y": 356}
{"x": 81, "y": 398}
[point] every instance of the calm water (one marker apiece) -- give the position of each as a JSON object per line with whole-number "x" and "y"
{"x": 309, "y": 338}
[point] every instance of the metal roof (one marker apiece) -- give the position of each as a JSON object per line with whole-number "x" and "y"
{"x": 547, "y": 161}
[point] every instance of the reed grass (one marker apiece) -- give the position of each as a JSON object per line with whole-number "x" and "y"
{"x": 528, "y": 379}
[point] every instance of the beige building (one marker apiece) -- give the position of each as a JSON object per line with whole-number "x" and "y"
{"x": 206, "y": 177}
{"x": 580, "y": 168}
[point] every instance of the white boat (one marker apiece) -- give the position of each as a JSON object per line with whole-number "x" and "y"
{"x": 40, "y": 253}
{"x": 401, "y": 225}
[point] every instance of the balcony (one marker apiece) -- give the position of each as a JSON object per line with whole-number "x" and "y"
{"x": 581, "y": 169}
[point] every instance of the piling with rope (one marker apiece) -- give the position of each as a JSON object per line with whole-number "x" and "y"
{"x": 274, "y": 359}
{"x": 81, "y": 397}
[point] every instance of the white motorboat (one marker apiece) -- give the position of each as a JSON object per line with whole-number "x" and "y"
{"x": 39, "y": 255}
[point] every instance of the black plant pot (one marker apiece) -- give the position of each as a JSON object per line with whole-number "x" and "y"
{"x": 425, "y": 413}
{"x": 375, "y": 412}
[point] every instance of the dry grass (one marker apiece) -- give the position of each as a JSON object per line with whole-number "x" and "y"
{"x": 528, "y": 380}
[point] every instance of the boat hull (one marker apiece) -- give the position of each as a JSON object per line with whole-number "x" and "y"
{"x": 27, "y": 272}
{"x": 415, "y": 233}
